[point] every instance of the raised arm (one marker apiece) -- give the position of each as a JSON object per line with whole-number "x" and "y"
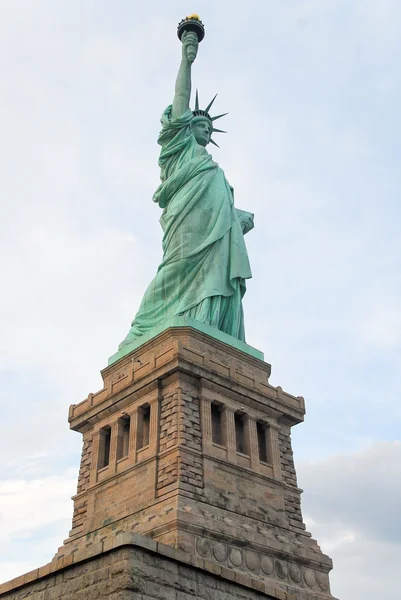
{"x": 183, "y": 83}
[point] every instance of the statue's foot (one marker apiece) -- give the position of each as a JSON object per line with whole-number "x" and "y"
{"x": 125, "y": 342}
{"x": 131, "y": 337}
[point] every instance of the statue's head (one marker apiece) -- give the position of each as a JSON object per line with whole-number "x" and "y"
{"x": 202, "y": 123}
{"x": 202, "y": 128}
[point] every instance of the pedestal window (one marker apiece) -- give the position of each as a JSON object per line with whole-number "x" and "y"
{"x": 124, "y": 427}
{"x": 104, "y": 447}
{"x": 143, "y": 426}
{"x": 241, "y": 433}
{"x": 218, "y": 429}
{"x": 263, "y": 438}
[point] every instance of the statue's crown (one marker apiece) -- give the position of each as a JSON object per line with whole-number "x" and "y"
{"x": 198, "y": 112}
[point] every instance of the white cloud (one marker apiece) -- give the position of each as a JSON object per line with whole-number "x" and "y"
{"x": 26, "y": 506}
{"x": 353, "y": 501}
{"x": 34, "y": 515}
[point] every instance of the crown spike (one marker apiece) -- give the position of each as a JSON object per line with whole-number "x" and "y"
{"x": 210, "y": 104}
{"x": 214, "y": 143}
{"x": 218, "y": 130}
{"x": 219, "y": 116}
{"x": 196, "y": 101}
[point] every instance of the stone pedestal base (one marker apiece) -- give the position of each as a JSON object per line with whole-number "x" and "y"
{"x": 129, "y": 567}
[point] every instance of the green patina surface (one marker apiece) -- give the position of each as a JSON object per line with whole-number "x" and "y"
{"x": 186, "y": 322}
{"x": 205, "y": 262}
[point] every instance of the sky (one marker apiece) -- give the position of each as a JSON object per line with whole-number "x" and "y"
{"x": 313, "y": 91}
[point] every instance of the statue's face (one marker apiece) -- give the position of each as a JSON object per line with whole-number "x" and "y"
{"x": 202, "y": 129}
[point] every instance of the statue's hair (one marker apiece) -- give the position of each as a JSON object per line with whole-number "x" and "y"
{"x": 205, "y": 114}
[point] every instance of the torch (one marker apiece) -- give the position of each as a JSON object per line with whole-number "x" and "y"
{"x": 191, "y": 23}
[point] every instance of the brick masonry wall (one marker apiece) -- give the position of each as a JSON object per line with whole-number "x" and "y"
{"x": 180, "y": 427}
{"x": 286, "y": 455}
{"x": 191, "y": 472}
{"x": 167, "y": 471}
{"x": 292, "y": 501}
{"x": 80, "y": 507}
{"x": 293, "y": 509}
{"x": 169, "y": 422}
{"x": 190, "y": 462}
{"x": 189, "y": 420}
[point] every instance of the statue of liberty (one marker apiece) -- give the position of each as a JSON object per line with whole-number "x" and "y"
{"x": 205, "y": 262}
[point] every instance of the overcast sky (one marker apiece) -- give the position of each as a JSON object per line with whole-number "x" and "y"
{"x": 313, "y": 149}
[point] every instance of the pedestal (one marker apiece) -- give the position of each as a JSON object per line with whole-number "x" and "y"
{"x": 188, "y": 445}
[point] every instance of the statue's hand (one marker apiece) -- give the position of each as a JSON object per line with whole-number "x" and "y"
{"x": 247, "y": 224}
{"x": 190, "y": 45}
{"x": 245, "y": 220}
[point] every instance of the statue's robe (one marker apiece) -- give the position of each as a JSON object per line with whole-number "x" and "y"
{"x": 205, "y": 262}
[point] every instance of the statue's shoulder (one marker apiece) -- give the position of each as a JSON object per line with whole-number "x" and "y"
{"x": 168, "y": 121}
{"x": 175, "y": 130}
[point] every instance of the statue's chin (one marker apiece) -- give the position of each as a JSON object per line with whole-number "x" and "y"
{"x": 202, "y": 141}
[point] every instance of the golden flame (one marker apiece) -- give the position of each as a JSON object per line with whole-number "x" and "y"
{"x": 194, "y": 16}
